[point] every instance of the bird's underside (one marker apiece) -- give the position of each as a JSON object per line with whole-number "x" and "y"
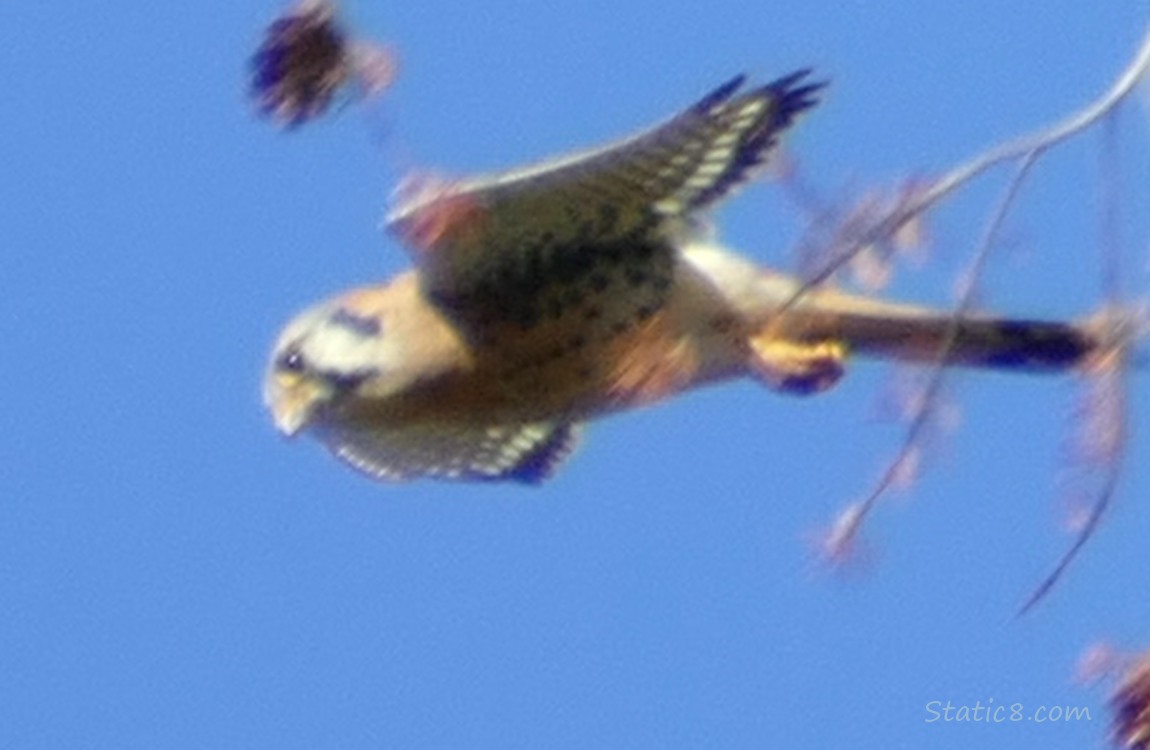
{"x": 545, "y": 297}
{"x": 505, "y": 416}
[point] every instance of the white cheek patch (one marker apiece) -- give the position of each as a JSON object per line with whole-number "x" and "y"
{"x": 337, "y": 348}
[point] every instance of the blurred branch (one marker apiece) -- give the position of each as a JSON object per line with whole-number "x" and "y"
{"x": 1031, "y": 146}
{"x": 1116, "y": 329}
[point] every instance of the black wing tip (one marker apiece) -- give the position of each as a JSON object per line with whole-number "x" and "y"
{"x": 786, "y": 98}
{"x": 794, "y": 93}
{"x": 301, "y": 64}
{"x": 721, "y": 94}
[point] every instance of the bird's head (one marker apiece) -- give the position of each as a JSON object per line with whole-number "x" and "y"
{"x": 367, "y": 346}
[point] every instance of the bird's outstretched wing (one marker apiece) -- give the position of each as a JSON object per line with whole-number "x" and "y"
{"x": 528, "y": 453}
{"x": 490, "y": 248}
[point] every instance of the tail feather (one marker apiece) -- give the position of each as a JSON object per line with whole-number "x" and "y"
{"x": 767, "y": 304}
{"x": 998, "y": 343}
{"x": 913, "y": 334}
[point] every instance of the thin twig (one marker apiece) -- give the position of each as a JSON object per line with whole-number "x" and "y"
{"x": 1118, "y": 334}
{"x": 1028, "y": 150}
{"x": 1109, "y": 487}
{"x": 1031, "y": 145}
{"x": 921, "y": 418}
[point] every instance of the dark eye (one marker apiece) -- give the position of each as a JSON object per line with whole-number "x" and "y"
{"x": 291, "y": 361}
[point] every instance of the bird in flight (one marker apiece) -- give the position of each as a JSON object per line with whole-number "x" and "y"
{"x": 545, "y": 297}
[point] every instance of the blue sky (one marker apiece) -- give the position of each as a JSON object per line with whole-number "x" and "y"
{"x": 173, "y": 575}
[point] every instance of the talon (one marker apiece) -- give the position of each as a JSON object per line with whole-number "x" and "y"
{"x": 795, "y": 367}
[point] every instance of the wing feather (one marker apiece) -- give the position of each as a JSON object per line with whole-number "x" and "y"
{"x": 528, "y": 453}
{"x": 492, "y": 246}
{"x": 682, "y": 165}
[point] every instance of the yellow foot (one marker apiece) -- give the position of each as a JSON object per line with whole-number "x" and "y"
{"x": 795, "y": 367}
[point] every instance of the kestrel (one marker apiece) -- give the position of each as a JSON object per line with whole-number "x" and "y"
{"x": 548, "y": 296}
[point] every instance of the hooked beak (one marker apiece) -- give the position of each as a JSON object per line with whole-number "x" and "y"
{"x": 293, "y": 405}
